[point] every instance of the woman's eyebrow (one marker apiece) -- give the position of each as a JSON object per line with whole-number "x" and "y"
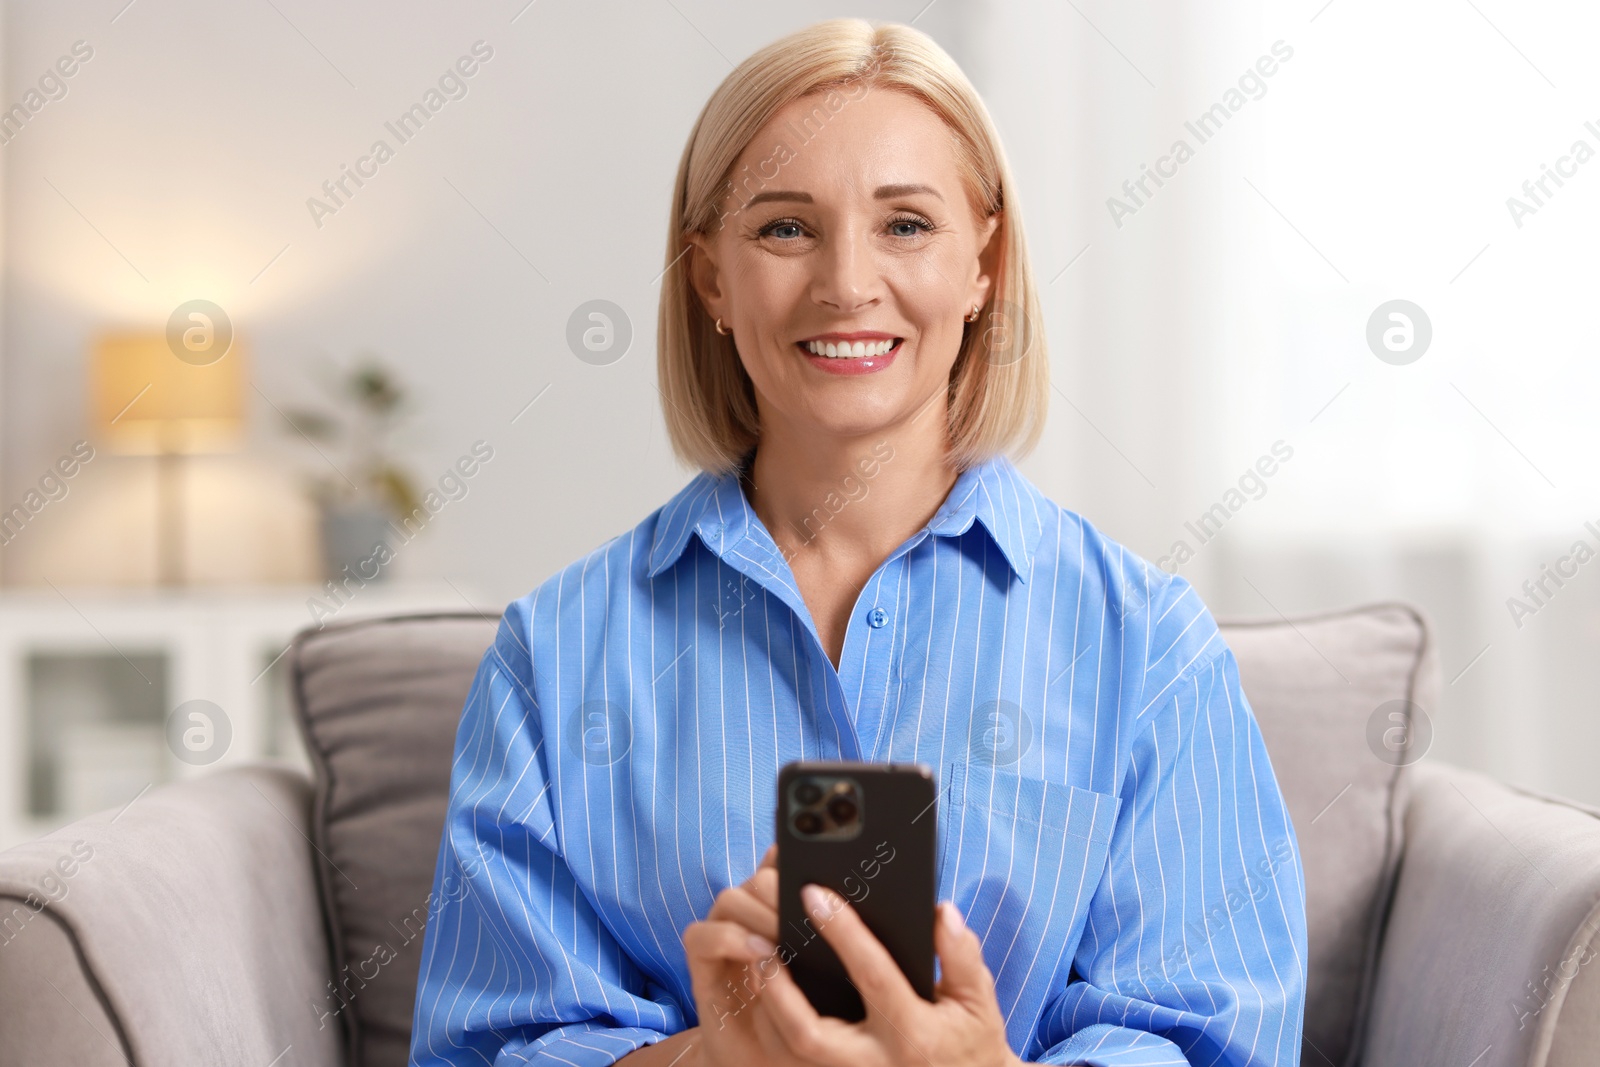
{"x": 883, "y": 192}
{"x": 889, "y": 192}
{"x": 778, "y": 194}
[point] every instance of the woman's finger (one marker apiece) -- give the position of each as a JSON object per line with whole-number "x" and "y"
{"x": 963, "y": 974}
{"x": 744, "y": 904}
{"x": 763, "y": 885}
{"x": 821, "y": 1039}
{"x": 772, "y": 1044}
{"x": 724, "y": 984}
{"x": 712, "y": 940}
{"x": 881, "y": 982}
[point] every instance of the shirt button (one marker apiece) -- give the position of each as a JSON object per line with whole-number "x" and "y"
{"x": 877, "y": 618}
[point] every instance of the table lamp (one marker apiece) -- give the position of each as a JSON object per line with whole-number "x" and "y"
{"x": 148, "y": 401}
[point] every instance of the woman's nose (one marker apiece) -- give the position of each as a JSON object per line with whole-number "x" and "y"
{"x": 847, "y": 277}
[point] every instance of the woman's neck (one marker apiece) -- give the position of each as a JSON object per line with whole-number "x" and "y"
{"x": 850, "y": 501}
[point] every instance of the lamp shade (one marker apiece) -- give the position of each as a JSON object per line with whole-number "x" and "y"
{"x": 147, "y": 400}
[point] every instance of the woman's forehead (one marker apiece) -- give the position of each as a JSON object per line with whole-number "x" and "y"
{"x": 856, "y": 140}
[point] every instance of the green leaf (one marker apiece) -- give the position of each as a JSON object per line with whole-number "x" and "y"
{"x": 375, "y": 388}
{"x": 394, "y": 485}
{"x": 313, "y": 424}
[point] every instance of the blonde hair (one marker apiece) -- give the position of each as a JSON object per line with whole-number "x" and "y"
{"x": 999, "y": 384}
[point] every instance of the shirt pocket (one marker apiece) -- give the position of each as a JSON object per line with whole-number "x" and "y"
{"x": 1022, "y": 857}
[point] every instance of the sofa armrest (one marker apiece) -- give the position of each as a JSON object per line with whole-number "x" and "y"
{"x": 183, "y": 929}
{"x": 1489, "y": 953}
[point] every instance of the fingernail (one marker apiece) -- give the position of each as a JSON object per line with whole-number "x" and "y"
{"x": 760, "y": 945}
{"x": 818, "y": 901}
{"x": 952, "y": 919}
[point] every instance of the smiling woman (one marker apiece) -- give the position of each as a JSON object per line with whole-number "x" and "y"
{"x": 843, "y": 222}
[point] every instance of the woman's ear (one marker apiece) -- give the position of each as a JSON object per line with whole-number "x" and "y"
{"x": 705, "y": 276}
{"x": 988, "y": 267}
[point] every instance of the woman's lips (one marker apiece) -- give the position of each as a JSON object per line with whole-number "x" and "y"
{"x": 883, "y": 354}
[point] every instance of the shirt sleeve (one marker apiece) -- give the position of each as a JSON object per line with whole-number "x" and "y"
{"x": 1195, "y": 945}
{"x": 517, "y": 967}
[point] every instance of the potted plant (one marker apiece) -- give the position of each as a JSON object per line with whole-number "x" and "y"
{"x": 361, "y": 488}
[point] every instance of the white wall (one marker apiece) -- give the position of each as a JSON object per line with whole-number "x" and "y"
{"x": 191, "y": 142}
{"x": 1229, "y": 312}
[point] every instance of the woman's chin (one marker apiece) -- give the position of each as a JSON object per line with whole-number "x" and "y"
{"x": 859, "y": 421}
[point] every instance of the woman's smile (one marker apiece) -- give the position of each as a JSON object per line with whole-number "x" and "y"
{"x": 858, "y": 352}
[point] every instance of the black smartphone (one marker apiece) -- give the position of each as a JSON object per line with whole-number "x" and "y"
{"x": 869, "y": 832}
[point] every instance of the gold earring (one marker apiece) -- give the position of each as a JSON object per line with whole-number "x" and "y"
{"x": 976, "y": 308}
{"x": 723, "y": 330}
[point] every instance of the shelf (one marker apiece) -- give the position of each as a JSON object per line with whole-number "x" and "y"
{"x": 90, "y": 682}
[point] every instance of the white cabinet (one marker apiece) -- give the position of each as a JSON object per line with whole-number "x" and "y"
{"x": 106, "y": 694}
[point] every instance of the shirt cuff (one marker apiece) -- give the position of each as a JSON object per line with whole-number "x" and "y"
{"x": 1104, "y": 1045}
{"x": 585, "y": 1044}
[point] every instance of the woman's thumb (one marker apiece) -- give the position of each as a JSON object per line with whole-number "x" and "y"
{"x": 963, "y": 974}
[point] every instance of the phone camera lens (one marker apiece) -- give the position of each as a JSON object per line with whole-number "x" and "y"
{"x": 808, "y": 822}
{"x": 808, "y": 793}
{"x": 842, "y": 810}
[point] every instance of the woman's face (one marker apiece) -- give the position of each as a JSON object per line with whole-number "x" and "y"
{"x": 848, "y": 230}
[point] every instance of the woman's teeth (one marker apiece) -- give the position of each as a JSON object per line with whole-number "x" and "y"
{"x": 848, "y": 350}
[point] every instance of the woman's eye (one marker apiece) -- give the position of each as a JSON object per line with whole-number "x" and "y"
{"x": 907, "y": 228}
{"x": 783, "y": 230}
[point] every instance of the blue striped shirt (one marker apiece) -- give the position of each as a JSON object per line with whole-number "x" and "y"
{"x": 1109, "y": 823}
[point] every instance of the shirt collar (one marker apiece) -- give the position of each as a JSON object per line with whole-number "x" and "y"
{"x": 711, "y": 506}
{"x": 993, "y": 494}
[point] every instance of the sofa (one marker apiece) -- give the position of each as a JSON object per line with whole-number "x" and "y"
{"x": 259, "y": 917}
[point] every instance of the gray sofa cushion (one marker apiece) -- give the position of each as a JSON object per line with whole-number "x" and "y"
{"x": 1489, "y": 956}
{"x": 1315, "y": 684}
{"x": 54, "y": 1006}
{"x": 379, "y": 702}
{"x": 180, "y": 929}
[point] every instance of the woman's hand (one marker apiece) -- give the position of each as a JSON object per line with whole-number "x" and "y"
{"x": 732, "y": 959}
{"x": 963, "y": 1027}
